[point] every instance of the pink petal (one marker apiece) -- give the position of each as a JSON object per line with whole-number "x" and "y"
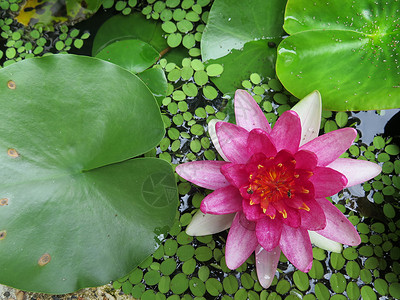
{"x": 266, "y": 264}
{"x": 233, "y": 142}
{"x": 338, "y": 228}
{"x": 355, "y": 170}
{"x": 259, "y": 141}
{"x": 240, "y": 244}
{"x": 268, "y": 233}
{"x": 248, "y": 114}
{"x": 236, "y": 174}
{"x": 203, "y": 224}
{"x": 327, "y": 182}
{"x": 225, "y": 200}
{"x": 293, "y": 217}
{"x": 315, "y": 218}
{"x": 214, "y": 138}
{"x": 330, "y": 146}
{"x": 206, "y": 174}
{"x": 305, "y": 160}
{"x": 252, "y": 212}
{"x": 286, "y": 133}
{"x": 309, "y": 110}
{"x": 296, "y": 245}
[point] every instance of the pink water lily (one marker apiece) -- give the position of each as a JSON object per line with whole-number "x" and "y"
{"x": 271, "y": 188}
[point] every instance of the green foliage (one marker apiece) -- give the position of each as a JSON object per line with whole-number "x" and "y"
{"x": 76, "y": 209}
{"x": 124, "y": 6}
{"x": 134, "y": 26}
{"x": 242, "y": 36}
{"x": 28, "y": 42}
{"x": 183, "y": 21}
{"x": 347, "y": 52}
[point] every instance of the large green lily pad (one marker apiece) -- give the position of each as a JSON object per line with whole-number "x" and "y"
{"x": 76, "y": 209}
{"x": 347, "y": 51}
{"x": 233, "y": 27}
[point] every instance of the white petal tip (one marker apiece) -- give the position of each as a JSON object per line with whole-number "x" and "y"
{"x": 309, "y": 110}
{"x": 311, "y": 100}
{"x": 325, "y": 243}
{"x": 205, "y": 224}
{"x": 213, "y": 136}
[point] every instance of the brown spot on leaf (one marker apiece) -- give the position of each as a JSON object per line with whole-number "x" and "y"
{"x": 3, "y": 234}
{"x": 3, "y": 201}
{"x": 11, "y": 85}
{"x": 12, "y": 152}
{"x": 44, "y": 259}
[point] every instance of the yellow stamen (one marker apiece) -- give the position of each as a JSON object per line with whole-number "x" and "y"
{"x": 309, "y": 174}
{"x": 264, "y": 210}
{"x": 305, "y": 207}
{"x": 296, "y": 175}
{"x": 260, "y": 167}
{"x": 304, "y": 191}
{"x": 280, "y": 165}
{"x": 284, "y": 213}
{"x": 251, "y": 202}
{"x": 293, "y": 161}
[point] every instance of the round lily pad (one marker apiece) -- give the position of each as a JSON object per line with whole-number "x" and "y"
{"x": 301, "y": 280}
{"x": 394, "y": 290}
{"x": 353, "y": 269}
{"x": 197, "y": 287}
{"x": 351, "y": 44}
{"x": 368, "y": 293}
{"x": 214, "y": 70}
{"x": 179, "y": 283}
{"x": 230, "y": 284}
{"x": 75, "y": 163}
{"x": 213, "y": 286}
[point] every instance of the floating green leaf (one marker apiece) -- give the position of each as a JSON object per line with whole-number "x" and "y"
{"x": 347, "y": 52}
{"x": 134, "y": 26}
{"x": 80, "y": 211}
{"x": 155, "y": 80}
{"x": 133, "y": 55}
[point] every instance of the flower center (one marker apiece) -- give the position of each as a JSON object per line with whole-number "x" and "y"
{"x": 276, "y": 185}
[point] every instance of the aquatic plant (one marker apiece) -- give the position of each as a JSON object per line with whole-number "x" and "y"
{"x": 80, "y": 206}
{"x": 273, "y": 183}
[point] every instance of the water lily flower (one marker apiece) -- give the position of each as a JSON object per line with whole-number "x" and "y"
{"x": 271, "y": 189}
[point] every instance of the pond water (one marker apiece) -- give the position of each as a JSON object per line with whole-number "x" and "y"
{"x": 185, "y": 267}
